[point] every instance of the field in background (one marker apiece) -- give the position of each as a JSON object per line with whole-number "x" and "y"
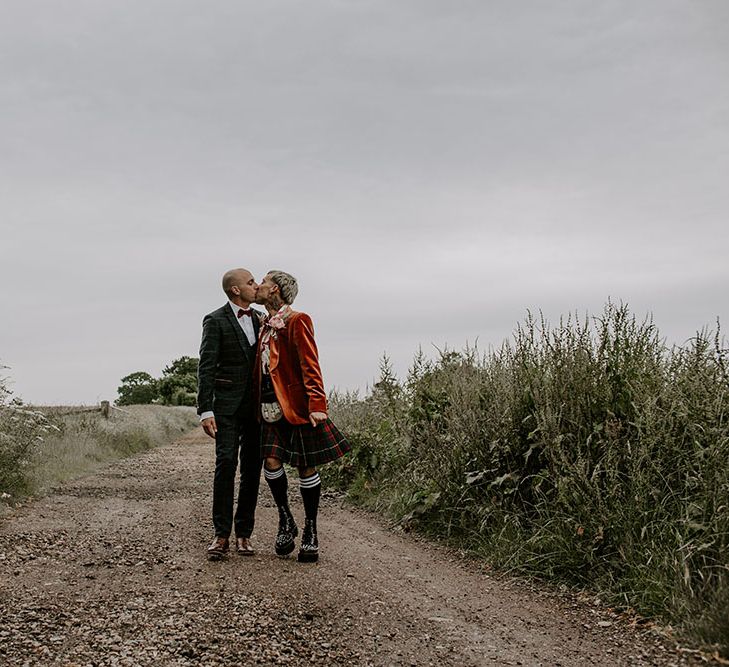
{"x": 43, "y": 446}
{"x": 587, "y": 453}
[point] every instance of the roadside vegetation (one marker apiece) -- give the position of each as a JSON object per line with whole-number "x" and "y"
{"x": 40, "y": 447}
{"x": 86, "y": 439}
{"x": 21, "y": 430}
{"x": 587, "y": 453}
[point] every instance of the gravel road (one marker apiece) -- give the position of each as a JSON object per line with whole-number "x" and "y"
{"x": 111, "y": 570}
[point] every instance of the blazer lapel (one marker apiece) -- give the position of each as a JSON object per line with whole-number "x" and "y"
{"x": 281, "y": 341}
{"x": 273, "y": 352}
{"x": 238, "y": 331}
{"x": 256, "y": 324}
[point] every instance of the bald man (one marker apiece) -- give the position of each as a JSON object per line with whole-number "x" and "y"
{"x": 225, "y": 373}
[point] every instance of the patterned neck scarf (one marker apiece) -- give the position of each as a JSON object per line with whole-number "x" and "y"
{"x": 272, "y": 324}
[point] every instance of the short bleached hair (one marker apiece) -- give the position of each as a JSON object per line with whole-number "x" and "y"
{"x": 287, "y": 285}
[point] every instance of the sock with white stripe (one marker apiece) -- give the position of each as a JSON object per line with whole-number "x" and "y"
{"x": 279, "y": 485}
{"x": 310, "y": 492}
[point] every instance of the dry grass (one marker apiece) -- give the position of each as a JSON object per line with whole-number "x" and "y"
{"x": 53, "y": 444}
{"x": 87, "y": 439}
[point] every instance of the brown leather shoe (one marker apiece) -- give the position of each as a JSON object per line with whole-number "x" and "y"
{"x": 218, "y": 548}
{"x": 243, "y": 546}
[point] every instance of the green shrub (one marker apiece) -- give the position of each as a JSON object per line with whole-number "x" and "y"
{"x": 588, "y": 453}
{"x": 21, "y": 430}
{"x": 178, "y": 384}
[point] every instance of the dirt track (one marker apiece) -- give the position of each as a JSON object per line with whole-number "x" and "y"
{"x": 110, "y": 570}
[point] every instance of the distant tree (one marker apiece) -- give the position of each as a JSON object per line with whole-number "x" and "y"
{"x": 182, "y": 366}
{"x": 178, "y": 384}
{"x": 137, "y": 389}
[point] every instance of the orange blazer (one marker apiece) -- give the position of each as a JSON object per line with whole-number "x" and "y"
{"x": 295, "y": 371}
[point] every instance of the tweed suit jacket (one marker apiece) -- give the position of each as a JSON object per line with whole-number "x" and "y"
{"x": 225, "y": 371}
{"x": 295, "y": 371}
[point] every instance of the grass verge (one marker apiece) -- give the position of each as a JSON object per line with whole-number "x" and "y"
{"x": 588, "y": 453}
{"x": 48, "y": 445}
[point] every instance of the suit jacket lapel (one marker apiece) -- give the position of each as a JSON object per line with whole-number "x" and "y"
{"x": 280, "y": 342}
{"x": 238, "y": 331}
{"x": 256, "y": 324}
{"x": 273, "y": 352}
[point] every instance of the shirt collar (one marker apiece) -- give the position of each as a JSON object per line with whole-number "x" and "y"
{"x": 235, "y": 308}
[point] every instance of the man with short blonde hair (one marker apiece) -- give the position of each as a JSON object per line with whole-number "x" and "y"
{"x": 287, "y": 285}
{"x": 296, "y": 428}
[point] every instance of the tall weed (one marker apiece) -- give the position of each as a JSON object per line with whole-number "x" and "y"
{"x": 588, "y": 453}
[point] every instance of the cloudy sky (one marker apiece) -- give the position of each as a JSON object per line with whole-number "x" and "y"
{"x": 429, "y": 170}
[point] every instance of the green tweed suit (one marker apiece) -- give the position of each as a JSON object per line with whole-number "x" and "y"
{"x": 225, "y": 378}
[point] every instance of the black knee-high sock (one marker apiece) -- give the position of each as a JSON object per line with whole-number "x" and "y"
{"x": 310, "y": 492}
{"x": 279, "y": 485}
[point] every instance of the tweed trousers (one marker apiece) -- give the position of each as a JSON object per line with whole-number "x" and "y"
{"x": 237, "y": 440}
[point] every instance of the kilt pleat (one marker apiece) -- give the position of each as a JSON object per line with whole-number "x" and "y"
{"x": 303, "y": 445}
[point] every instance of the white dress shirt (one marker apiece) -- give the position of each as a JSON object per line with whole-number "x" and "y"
{"x": 245, "y": 322}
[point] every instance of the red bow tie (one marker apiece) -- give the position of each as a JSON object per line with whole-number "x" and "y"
{"x": 244, "y": 311}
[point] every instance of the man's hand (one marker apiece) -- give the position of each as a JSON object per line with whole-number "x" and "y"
{"x": 209, "y": 426}
{"x": 317, "y": 418}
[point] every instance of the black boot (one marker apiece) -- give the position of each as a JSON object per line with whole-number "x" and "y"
{"x": 287, "y": 531}
{"x": 309, "y": 550}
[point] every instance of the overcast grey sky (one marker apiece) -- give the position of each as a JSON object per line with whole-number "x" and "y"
{"x": 427, "y": 169}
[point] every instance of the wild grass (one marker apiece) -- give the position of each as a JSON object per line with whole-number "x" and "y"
{"x": 21, "y": 430}
{"x": 43, "y": 446}
{"x": 587, "y": 453}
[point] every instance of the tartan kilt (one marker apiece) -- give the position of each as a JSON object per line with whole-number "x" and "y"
{"x": 303, "y": 446}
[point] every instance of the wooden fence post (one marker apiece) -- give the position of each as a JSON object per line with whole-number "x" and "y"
{"x": 105, "y": 407}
